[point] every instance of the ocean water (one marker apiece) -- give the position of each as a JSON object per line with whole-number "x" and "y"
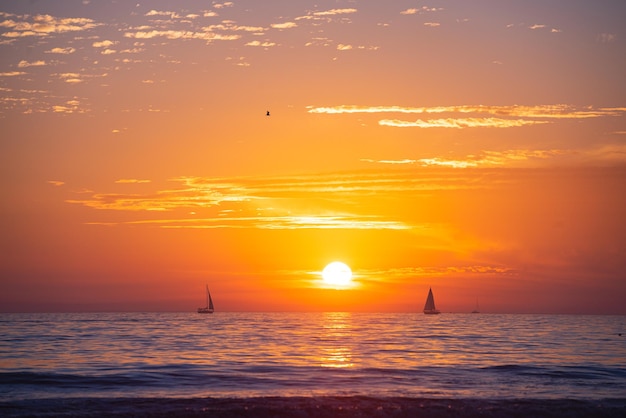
{"x": 247, "y": 355}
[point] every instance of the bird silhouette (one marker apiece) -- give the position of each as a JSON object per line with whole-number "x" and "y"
{"x": 268, "y": 113}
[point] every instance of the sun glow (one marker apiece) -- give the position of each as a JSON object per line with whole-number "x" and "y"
{"x": 337, "y": 274}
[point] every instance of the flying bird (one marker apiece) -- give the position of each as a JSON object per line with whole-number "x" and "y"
{"x": 268, "y": 113}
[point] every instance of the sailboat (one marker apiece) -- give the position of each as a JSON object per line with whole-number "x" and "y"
{"x": 209, "y": 303}
{"x": 476, "y": 310}
{"x": 429, "y": 308}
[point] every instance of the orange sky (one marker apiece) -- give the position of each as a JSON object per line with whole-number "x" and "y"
{"x": 475, "y": 148}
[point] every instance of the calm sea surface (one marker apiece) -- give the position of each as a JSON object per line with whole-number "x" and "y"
{"x": 482, "y": 356}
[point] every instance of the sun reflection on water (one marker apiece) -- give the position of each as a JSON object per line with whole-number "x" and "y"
{"x": 335, "y": 340}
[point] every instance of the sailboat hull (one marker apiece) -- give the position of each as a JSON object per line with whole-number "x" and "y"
{"x": 205, "y": 310}
{"x": 431, "y": 311}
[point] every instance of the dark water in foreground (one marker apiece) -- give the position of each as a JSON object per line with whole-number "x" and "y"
{"x": 483, "y": 357}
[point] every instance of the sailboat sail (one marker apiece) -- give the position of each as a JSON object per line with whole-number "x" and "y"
{"x": 211, "y": 308}
{"x": 429, "y": 308}
{"x": 209, "y": 303}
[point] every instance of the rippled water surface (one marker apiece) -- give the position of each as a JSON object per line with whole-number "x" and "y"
{"x": 304, "y": 354}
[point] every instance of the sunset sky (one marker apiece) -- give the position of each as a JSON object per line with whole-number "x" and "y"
{"x": 475, "y": 147}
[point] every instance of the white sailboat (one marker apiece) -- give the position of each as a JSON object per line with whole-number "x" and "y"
{"x": 209, "y": 303}
{"x": 429, "y": 308}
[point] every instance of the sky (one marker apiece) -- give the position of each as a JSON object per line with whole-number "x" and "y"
{"x": 475, "y": 147}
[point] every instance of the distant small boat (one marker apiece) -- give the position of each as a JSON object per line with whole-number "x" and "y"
{"x": 209, "y": 303}
{"x": 476, "y": 310}
{"x": 429, "y": 308}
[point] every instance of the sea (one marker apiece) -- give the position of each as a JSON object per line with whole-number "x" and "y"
{"x": 329, "y": 364}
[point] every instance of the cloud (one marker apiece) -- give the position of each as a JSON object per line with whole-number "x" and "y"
{"x": 559, "y": 111}
{"x": 228, "y": 25}
{"x": 67, "y": 50}
{"x": 24, "y": 64}
{"x": 42, "y": 25}
{"x": 414, "y": 11}
{"x": 447, "y": 163}
{"x": 289, "y": 202}
{"x": 459, "y": 123}
{"x": 327, "y": 15}
{"x": 12, "y": 73}
{"x": 334, "y": 12}
{"x": 174, "y": 34}
{"x": 432, "y": 24}
{"x": 342, "y": 47}
{"x": 606, "y": 37}
{"x": 500, "y": 116}
{"x": 404, "y": 161}
{"x": 402, "y": 274}
{"x": 285, "y": 25}
{"x": 56, "y": 182}
{"x": 131, "y": 181}
{"x": 224, "y": 5}
{"x": 262, "y": 44}
{"x": 71, "y": 106}
{"x": 74, "y": 78}
{"x": 172, "y": 15}
{"x": 103, "y": 44}
{"x": 521, "y": 158}
{"x": 533, "y": 27}
{"x": 70, "y": 77}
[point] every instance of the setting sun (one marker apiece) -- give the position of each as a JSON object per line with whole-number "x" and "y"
{"x": 337, "y": 274}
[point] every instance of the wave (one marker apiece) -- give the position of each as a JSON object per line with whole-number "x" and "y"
{"x": 366, "y": 380}
{"x": 562, "y": 372}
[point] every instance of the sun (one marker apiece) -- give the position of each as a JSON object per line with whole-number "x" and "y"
{"x": 337, "y": 274}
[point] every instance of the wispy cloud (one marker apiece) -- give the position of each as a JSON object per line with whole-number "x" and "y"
{"x": 223, "y": 5}
{"x": 423, "y": 9}
{"x": 284, "y": 25}
{"x": 328, "y": 15}
{"x": 322, "y": 201}
{"x": 43, "y": 25}
{"x": 71, "y": 106}
{"x": 12, "y": 73}
{"x": 24, "y": 64}
{"x": 131, "y": 181}
{"x": 265, "y": 44}
{"x": 334, "y": 12}
{"x": 606, "y": 37}
{"x": 540, "y": 111}
{"x": 103, "y": 44}
{"x": 401, "y": 274}
{"x": 278, "y": 222}
{"x": 230, "y": 26}
{"x": 172, "y": 15}
{"x": 501, "y": 116}
{"x": 459, "y": 123}
{"x": 520, "y": 158}
{"x": 404, "y": 161}
{"x": 181, "y": 34}
{"x": 67, "y": 50}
